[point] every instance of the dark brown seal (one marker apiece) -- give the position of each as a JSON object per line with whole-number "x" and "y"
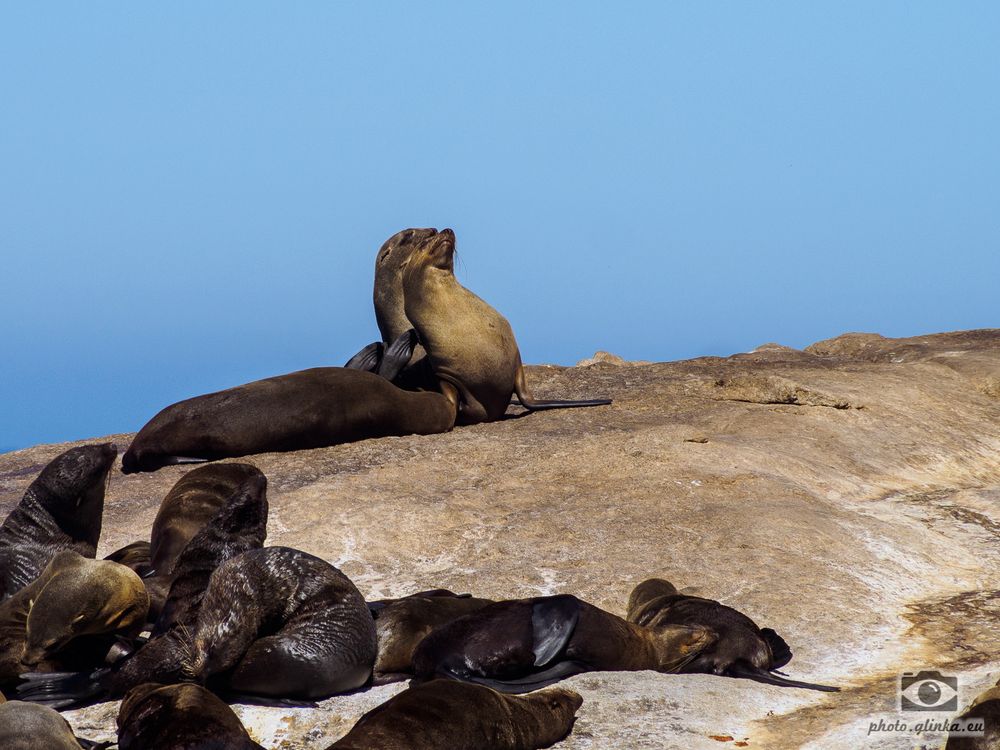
{"x": 134, "y": 556}
{"x": 61, "y": 509}
{"x": 471, "y": 346}
{"x": 403, "y": 623}
{"x": 739, "y": 648}
{"x": 447, "y": 715}
{"x": 985, "y": 710}
{"x": 306, "y": 409}
{"x": 179, "y": 717}
{"x": 523, "y": 644}
{"x": 26, "y": 726}
{"x": 68, "y": 617}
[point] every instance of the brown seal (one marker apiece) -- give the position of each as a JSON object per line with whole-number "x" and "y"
{"x": 739, "y": 648}
{"x": 27, "y": 726}
{"x": 455, "y": 716}
{"x": 307, "y": 409}
{"x": 68, "y": 617}
{"x": 403, "y": 623}
{"x": 134, "y": 556}
{"x": 985, "y": 709}
{"x": 523, "y": 644}
{"x": 178, "y": 717}
{"x": 471, "y": 346}
{"x": 61, "y": 509}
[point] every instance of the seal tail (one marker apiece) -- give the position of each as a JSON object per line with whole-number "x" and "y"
{"x": 534, "y": 681}
{"x": 739, "y": 669}
{"x": 63, "y": 690}
{"x": 532, "y": 404}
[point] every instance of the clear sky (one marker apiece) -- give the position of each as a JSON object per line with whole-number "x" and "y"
{"x": 192, "y": 194}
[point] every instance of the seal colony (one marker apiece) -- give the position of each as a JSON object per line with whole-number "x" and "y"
{"x": 223, "y": 617}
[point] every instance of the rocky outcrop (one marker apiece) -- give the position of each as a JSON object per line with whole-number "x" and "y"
{"x": 847, "y": 496}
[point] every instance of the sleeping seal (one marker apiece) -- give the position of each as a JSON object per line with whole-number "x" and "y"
{"x": 61, "y": 509}
{"x": 471, "y": 346}
{"x": 26, "y": 726}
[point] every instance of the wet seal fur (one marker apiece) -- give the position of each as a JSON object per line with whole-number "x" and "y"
{"x": 61, "y": 509}
{"x": 312, "y": 408}
{"x": 179, "y": 717}
{"x": 523, "y": 644}
{"x": 459, "y": 716}
{"x": 739, "y": 648}
{"x": 69, "y": 616}
{"x": 471, "y": 346}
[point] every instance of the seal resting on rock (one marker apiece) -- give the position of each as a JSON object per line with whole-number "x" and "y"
{"x": 61, "y": 509}
{"x": 312, "y": 408}
{"x": 447, "y": 715}
{"x": 26, "y": 726}
{"x": 739, "y": 648}
{"x": 471, "y": 346}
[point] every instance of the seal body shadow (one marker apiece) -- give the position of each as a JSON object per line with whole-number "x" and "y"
{"x": 312, "y": 408}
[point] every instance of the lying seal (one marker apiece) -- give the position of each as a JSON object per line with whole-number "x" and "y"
{"x": 306, "y": 409}
{"x": 26, "y": 726}
{"x": 985, "y": 708}
{"x": 158, "y": 717}
{"x": 275, "y": 622}
{"x": 521, "y": 645}
{"x": 446, "y": 714}
{"x": 61, "y": 509}
{"x": 739, "y": 648}
{"x": 69, "y": 616}
{"x": 403, "y": 623}
{"x": 471, "y": 346}
{"x": 185, "y": 510}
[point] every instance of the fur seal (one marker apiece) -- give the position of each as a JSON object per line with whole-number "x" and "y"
{"x": 739, "y": 649}
{"x": 134, "y": 556}
{"x": 985, "y": 708}
{"x": 447, "y": 715}
{"x": 471, "y": 347}
{"x": 27, "y": 726}
{"x": 275, "y": 623}
{"x": 307, "y": 409}
{"x": 403, "y": 623}
{"x": 68, "y": 617}
{"x": 523, "y": 644}
{"x": 61, "y": 509}
{"x": 178, "y": 717}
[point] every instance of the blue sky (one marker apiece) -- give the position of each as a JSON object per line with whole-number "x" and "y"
{"x": 193, "y": 194}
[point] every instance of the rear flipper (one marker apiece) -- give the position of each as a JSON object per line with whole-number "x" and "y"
{"x": 533, "y": 405}
{"x": 63, "y": 690}
{"x": 91, "y": 745}
{"x": 534, "y": 681}
{"x": 368, "y": 358}
{"x": 739, "y": 669}
{"x": 553, "y": 621}
{"x": 779, "y": 649}
{"x": 247, "y": 699}
{"x": 397, "y": 354}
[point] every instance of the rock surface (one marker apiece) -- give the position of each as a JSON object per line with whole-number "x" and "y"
{"x": 847, "y": 495}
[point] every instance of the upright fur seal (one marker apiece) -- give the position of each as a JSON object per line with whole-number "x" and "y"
{"x": 274, "y": 622}
{"x": 447, "y": 715}
{"x": 61, "y": 509}
{"x": 471, "y": 346}
{"x": 45, "y": 626}
{"x": 403, "y": 623}
{"x": 26, "y": 726}
{"x": 523, "y": 644}
{"x": 179, "y": 717}
{"x": 739, "y": 649}
{"x": 306, "y": 409}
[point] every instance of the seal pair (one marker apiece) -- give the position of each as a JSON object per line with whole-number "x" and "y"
{"x": 61, "y": 509}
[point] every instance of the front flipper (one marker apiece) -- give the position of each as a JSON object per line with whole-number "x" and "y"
{"x": 368, "y": 358}
{"x": 397, "y": 354}
{"x": 529, "y": 402}
{"x": 534, "y": 681}
{"x": 553, "y": 621}
{"x": 748, "y": 672}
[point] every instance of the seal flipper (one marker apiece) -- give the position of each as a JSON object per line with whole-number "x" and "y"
{"x": 779, "y": 649}
{"x": 62, "y": 690}
{"x": 397, "y": 354}
{"x": 367, "y": 359}
{"x": 746, "y": 671}
{"x": 553, "y": 621}
{"x": 530, "y": 403}
{"x": 179, "y": 460}
{"x": 534, "y": 681}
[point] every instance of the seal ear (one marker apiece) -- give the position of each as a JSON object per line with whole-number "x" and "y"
{"x": 368, "y": 358}
{"x": 553, "y": 621}
{"x": 397, "y": 354}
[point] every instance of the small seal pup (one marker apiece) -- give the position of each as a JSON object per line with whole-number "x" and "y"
{"x": 307, "y": 409}
{"x": 61, "y": 509}
{"x": 739, "y": 649}
{"x": 27, "y": 726}
{"x": 448, "y": 715}
{"x": 179, "y": 717}
{"x": 523, "y": 644}
{"x": 68, "y": 617}
{"x": 275, "y": 623}
{"x": 471, "y": 346}
{"x": 403, "y": 623}
{"x": 985, "y": 708}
